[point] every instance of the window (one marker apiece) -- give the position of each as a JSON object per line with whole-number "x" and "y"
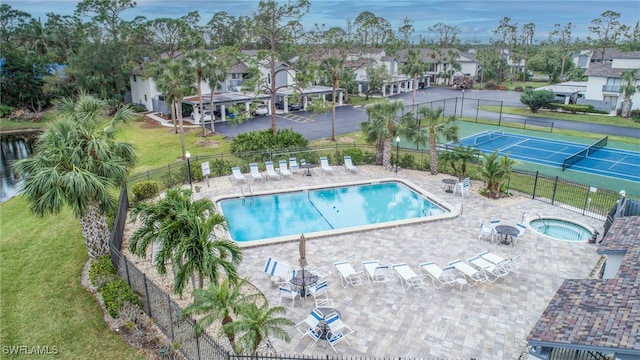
{"x": 145, "y": 97}
{"x": 236, "y": 76}
{"x": 135, "y": 78}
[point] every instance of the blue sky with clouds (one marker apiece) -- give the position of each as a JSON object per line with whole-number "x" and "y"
{"x": 475, "y": 18}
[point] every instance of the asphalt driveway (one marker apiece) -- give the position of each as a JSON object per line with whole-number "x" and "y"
{"x": 348, "y": 118}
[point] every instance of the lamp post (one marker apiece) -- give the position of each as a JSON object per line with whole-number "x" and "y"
{"x": 397, "y": 152}
{"x": 462, "y": 103}
{"x": 188, "y": 156}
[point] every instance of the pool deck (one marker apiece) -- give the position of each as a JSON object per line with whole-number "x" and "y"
{"x": 488, "y": 321}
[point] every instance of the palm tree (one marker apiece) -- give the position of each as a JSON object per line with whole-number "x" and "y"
{"x": 200, "y": 253}
{"x": 415, "y": 67}
{"x": 219, "y": 302}
{"x": 495, "y": 171}
{"x": 458, "y": 158}
{"x": 382, "y": 127}
{"x": 79, "y": 164}
{"x": 159, "y": 224}
{"x": 175, "y": 79}
{"x": 216, "y": 72}
{"x": 257, "y": 324}
{"x": 333, "y": 67}
{"x": 628, "y": 89}
{"x": 438, "y": 127}
{"x": 185, "y": 232}
{"x": 200, "y": 61}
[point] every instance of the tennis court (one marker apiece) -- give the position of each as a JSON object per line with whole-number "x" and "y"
{"x": 594, "y": 159}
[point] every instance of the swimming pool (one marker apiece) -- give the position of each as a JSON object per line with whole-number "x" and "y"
{"x": 320, "y": 211}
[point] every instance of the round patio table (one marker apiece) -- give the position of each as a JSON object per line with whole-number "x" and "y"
{"x": 448, "y": 184}
{"x": 326, "y": 311}
{"x": 303, "y": 280}
{"x": 308, "y": 167}
{"x": 506, "y": 233}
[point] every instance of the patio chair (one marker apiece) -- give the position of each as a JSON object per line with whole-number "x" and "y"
{"x": 293, "y": 165}
{"x": 324, "y": 163}
{"x": 521, "y": 228}
{"x": 255, "y": 172}
{"x": 486, "y": 266}
{"x": 321, "y": 272}
{"x": 271, "y": 172}
{"x": 494, "y": 223}
{"x": 287, "y": 293}
{"x": 283, "y": 168}
{"x": 486, "y": 230}
{"x": 338, "y": 331}
{"x": 473, "y": 276}
{"x": 508, "y": 264}
{"x": 348, "y": 164}
{"x": 308, "y": 326}
{"x": 375, "y": 272}
{"x": 462, "y": 187}
{"x": 269, "y": 266}
{"x": 408, "y": 278}
{"x": 347, "y": 274}
{"x": 318, "y": 289}
{"x": 237, "y": 175}
{"x": 439, "y": 276}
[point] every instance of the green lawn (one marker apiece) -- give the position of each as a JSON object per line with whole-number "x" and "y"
{"x": 42, "y": 301}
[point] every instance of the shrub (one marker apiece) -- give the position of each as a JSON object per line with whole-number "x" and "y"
{"x": 145, "y": 190}
{"x": 115, "y": 294}
{"x": 407, "y": 161}
{"x": 252, "y": 145}
{"x": 357, "y": 156}
{"x": 537, "y": 99}
{"x": 139, "y": 108}
{"x": 635, "y": 115}
{"x": 101, "y": 271}
{"x": 5, "y": 110}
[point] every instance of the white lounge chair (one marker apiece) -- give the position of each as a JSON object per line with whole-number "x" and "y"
{"x": 289, "y": 294}
{"x": 348, "y": 165}
{"x": 408, "y": 277}
{"x": 474, "y": 276}
{"x": 486, "y": 230}
{"x": 439, "y": 276}
{"x": 324, "y": 163}
{"x": 271, "y": 171}
{"x": 462, "y": 187}
{"x": 375, "y": 272}
{"x": 255, "y": 172}
{"x": 347, "y": 274}
{"x": 293, "y": 165}
{"x": 237, "y": 175}
{"x": 283, "y": 168}
{"x": 482, "y": 264}
{"x": 281, "y": 273}
{"x": 508, "y": 264}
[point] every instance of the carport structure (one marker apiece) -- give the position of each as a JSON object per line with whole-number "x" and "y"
{"x": 306, "y": 94}
{"x": 222, "y": 101}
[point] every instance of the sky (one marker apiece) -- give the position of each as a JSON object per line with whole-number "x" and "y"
{"x": 475, "y": 18}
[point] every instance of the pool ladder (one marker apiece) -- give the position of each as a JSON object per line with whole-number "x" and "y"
{"x": 543, "y": 222}
{"x": 244, "y": 194}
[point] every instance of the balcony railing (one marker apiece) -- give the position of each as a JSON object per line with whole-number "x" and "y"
{"x": 611, "y": 88}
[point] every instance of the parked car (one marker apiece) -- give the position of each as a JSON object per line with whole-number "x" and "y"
{"x": 261, "y": 110}
{"x": 207, "y": 116}
{"x": 292, "y": 106}
{"x": 227, "y": 113}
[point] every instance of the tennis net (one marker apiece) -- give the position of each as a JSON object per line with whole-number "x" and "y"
{"x": 583, "y": 154}
{"x": 488, "y": 137}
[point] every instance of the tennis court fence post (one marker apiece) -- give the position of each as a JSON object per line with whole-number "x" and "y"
{"x": 535, "y": 186}
{"x": 553, "y": 194}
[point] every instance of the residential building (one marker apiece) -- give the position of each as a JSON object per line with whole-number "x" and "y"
{"x": 605, "y": 79}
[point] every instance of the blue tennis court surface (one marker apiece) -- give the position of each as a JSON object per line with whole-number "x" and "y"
{"x": 620, "y": 164}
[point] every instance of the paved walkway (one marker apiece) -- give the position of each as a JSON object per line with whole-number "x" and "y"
{"x": 489, "y": 321}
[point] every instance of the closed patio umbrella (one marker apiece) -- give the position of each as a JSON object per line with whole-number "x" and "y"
{"x": 302, "y": 248}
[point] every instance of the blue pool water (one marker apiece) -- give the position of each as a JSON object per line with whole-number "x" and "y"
{"x": 561, "y": 229}
{"x": 294, "y": 213}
